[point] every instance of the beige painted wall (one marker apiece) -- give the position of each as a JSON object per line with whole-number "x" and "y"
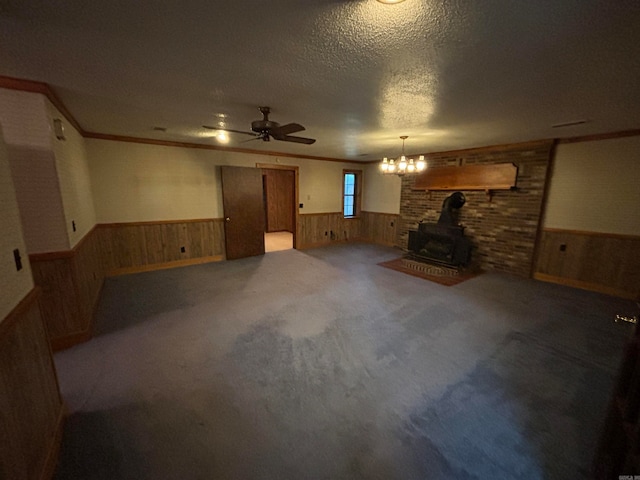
{"x": 136, "y": 182}
{"x": 73, "y": 177}
{"x": 27, "y": 134}
{"x": 14, "y": 285}
{"x": 595, "y": 187}
{"x": 381, "y": 192}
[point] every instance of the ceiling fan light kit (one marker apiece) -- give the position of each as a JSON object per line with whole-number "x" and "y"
{"x": 266, "y": 129}
{"x": 403, "y": 166}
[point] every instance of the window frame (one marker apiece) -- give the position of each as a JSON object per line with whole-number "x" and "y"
{"x": 357, "y": 195}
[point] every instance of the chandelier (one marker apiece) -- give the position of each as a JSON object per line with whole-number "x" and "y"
{"x": 403, "y": 166}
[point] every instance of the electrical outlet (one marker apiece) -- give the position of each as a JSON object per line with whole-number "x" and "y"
{"x": 183, "y": 250}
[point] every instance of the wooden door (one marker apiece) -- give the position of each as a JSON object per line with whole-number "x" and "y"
{"x": 280, "y": 200}
{"x": 243, "y": 211}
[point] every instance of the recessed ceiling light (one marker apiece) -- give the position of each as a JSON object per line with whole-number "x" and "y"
{"x": 391, "y": 1}
{"x": 222, "y": 136}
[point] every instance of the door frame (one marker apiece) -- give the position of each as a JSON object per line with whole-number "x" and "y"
{"x": 296, "y": 198}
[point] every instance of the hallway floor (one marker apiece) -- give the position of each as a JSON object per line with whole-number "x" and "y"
{"x": 277, "y": 241}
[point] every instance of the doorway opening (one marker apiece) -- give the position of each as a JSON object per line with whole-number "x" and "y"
{"x": 276, "y": 241}
{"x": 280, "y": 191}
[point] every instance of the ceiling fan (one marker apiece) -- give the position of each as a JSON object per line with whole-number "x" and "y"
{"x": 266, "y": 129}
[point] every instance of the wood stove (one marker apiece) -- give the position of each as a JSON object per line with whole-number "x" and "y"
{"x": 444, "y": 242}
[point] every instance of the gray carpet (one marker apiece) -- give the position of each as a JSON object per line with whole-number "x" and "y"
{"x": 323, "y": 365}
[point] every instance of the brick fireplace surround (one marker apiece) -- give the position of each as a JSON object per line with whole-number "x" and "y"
{"x": 502, "y": 226}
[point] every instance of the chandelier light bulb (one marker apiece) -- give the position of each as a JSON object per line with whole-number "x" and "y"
{"x": 392, "y": 166}
{"x": 402, "y": 166}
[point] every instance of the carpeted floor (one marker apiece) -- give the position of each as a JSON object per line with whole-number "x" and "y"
{"x": 322, "y": 365}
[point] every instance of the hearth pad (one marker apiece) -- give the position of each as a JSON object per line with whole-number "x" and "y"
{"x": 435, "y": 273}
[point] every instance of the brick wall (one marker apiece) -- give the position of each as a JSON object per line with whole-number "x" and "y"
{"x": 502, "y": 228}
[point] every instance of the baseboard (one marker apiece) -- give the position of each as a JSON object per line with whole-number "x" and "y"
{"x": 308, "y": 246}
{"x": 373, "y": 242}
{"x": 163, "y": 266}
{"x": 51, "y": 460}
{"x": 594, "y": 287}
{"x": 68, "y": 341}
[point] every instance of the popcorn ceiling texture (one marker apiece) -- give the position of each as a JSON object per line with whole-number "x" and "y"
{"x": 502, "y": 230}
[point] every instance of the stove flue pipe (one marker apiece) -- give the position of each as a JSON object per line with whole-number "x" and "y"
{"x": 453, "y": 202}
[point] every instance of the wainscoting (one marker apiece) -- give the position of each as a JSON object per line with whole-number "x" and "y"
{"x": 70, "y": 282}
{"x": 381, "y": 228}
{"x": 31, "y": 408}
{"x": 318, "y": 229}
{"x": 600, "y": 262}
{"x": 135, "y": 247}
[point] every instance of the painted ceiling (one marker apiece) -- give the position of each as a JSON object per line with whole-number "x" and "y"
{"x": 357, "y": 74}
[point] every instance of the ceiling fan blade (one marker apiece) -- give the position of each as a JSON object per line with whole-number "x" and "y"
{"x": 231, "y": 130}
{"x": 289, "y": 138}
{"x": 251, "y": 139}
{"x": 288, "y": 129}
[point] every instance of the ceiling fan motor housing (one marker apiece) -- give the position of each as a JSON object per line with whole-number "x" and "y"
{"x": 263, "y": 126}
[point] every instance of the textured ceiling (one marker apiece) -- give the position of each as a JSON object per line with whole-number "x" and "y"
{"x": 357, "y": 74}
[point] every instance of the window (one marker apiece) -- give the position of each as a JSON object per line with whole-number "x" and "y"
{"x": 351, "y": 187}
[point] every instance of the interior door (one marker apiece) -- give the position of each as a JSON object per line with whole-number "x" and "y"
{"x": 242, "y": 201}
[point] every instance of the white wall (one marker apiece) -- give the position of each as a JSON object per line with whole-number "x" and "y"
{"x": 134, "y": 182}
{"x": 595, "y": 187}
{"x": 381, "y": 193}
{"x": 14, "y": 285}
{"x": 73, "y": 177}
{"x": 27, "y": 134}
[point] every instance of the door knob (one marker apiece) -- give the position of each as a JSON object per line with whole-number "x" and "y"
{"x": 227, "y": 219}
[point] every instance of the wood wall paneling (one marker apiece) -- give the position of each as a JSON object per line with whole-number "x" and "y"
{"x": 594, "y": 261}
{"x": 279, "y": 188}
{"x": 89, "y": 272}
{"x": 380, "y": 228}
{"x": 59, "y": 301}
{"x": 70, "y": 286}
{"x": 30, "y": 404}
{"x": 127, "y": 248}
